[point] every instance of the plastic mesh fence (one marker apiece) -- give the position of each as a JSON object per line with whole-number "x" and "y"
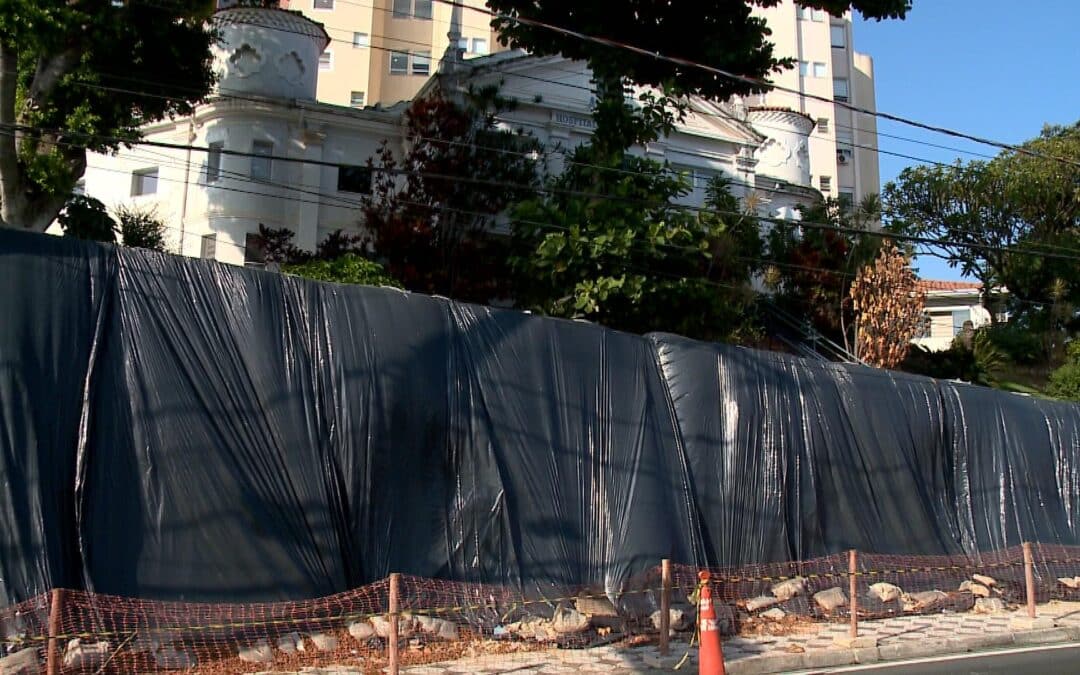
{"x": 444, "y": 620}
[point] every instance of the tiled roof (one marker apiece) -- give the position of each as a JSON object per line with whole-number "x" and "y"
{"x": 927, "y": 285}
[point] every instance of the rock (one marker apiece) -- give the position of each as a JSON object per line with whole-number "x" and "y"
{"x": 761, "y": 602}
{"x": 984, "y": 580}
{"x": 23, "y": 662}
{"x": 831, "y": 599}
{"x": 786, "y": 590}
{"x": 979, "y": 591}
{"x": 170, "y": 658}
{"x": 90, "y": 655}
{"x": 920, "y": 602}
{"x": 441, "y": 628}
{"x": 382, "y": 626}
{"x": 291, "y": 643}
{"x": 885, "y": 592}
{"x": 1073, "y": 582}
{"x": 774, "y": 614}
{"x": 259, "y": 652}
{"x": 677, "y": 619}
{"x": 324, "y": 642}
{"x": 989, "y": 605}
{"x": 361, "y": 630}
{"x": 595, "y": 607}
{"x": 568, "y": 621}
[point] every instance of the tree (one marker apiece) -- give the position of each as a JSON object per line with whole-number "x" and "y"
{"x": 87, "y": 218}
{"x": 812, "y": 268}
{"x": 63, "y": 89}
{"x": 628, "y": 258}
{"x": 888, "y": 309}
{"x": 349, "y": 268}
{"x": 339, "y": 258}
{"x": 721, "y": 33}
{"x": 1065, "y": 381}
{"x": 142, "y": 228}
{"x": 432, "y": 216}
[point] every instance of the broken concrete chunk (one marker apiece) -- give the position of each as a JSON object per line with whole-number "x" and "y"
{"x": 786, "y": 590}
{"x": 761, "y": 602}
{"x": 774, "y": 614}
{"x": 290, "y": 643}
{"x": 989, "y": 605}
{"x": 23, "y": 662}
{"x": 324, "y": 642}
{"x": 569, "y": 621}
{"x": 677, "y": 619}
{"x": 595, "y": 607}
{"x": 984, "y": 580}
{"x": 918, "y": 602}
{"x": 361, "y": 630}
{"x": 441, "y": 628}
{"x": 831, "y": 599}
{"x": 257, "y": 653}
{"x": 85, "y": 655}
{"x": 885, "y": 592}
{"x": 382, "y": 626}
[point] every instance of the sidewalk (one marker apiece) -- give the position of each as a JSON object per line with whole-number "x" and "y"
{"x": 900, "y": 637}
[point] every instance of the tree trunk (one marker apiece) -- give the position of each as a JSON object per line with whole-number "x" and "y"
{"x": 12, "y": 190}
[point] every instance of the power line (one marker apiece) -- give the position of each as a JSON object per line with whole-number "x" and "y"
{"x": 763, "y": 83}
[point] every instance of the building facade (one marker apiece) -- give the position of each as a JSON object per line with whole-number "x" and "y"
{"x": 949, "y": 307}
{"x": 842, "y": 145}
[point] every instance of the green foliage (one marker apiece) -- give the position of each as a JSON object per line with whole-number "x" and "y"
{"x": 1065, "y": 381}
{"x": 347, "y": 269}
{"x": 62, "y": 75}
{"x": 142, "y": 229}
{"x": 605, "y": 243}
{"x": 811, "y": 269}
{"x": 87, "y": 218}
{"x": 977, "y": 361}
{"x": 1019, "y": 344}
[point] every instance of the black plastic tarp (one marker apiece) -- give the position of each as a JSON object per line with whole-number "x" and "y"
{"x": 180, "y": 429}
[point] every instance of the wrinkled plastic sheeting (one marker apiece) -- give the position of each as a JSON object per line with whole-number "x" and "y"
{"x": 179, "y": 429}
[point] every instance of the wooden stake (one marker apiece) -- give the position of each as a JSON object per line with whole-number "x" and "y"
{"x": 395, "y": 609}
{"x": 1029, "y": 579}
{"x": 853, "y": 602}
{"x": 56, "y": 608}
{"x": 665, "y": 605}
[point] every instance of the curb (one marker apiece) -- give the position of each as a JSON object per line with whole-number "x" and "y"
{"x": 831, "y": 658}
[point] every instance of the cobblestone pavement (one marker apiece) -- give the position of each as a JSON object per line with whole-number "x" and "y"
{"x": 897, "y": 637}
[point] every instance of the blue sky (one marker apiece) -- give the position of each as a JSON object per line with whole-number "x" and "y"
{"x": 993, "y": 68}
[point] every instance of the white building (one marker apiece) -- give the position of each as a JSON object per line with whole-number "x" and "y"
{"x": 949, "y": 305}
{"x": 265, "y": 152}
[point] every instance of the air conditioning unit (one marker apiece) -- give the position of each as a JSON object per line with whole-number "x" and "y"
{"x": 843, "y": 156}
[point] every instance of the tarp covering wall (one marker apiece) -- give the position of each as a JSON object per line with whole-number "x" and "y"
{"x": 180, "y": 429}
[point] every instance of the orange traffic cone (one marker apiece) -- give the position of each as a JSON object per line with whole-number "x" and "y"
{"x": 711, "y": 654}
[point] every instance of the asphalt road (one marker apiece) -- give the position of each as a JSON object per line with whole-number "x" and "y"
{"x": 1057, "y": 659}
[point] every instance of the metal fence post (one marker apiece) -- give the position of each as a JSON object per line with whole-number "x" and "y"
{"x": 665, "y": 605}
{"x": 56, "y": 608}
{"x": 853, "y": 602}
{"x": 1029, "y": 579}
{"x": 395, "y": 608}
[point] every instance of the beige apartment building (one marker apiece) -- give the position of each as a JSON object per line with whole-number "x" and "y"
{"x": 842, "y": 144}
{"x": 382, "y": 51}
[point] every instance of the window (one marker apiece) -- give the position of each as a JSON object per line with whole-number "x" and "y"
{"x": 808, "y": 14}
{"x": 959, "y": 318}
{"x": 323, "y": 4}
{"x": 826, "y": 183}
{"x": 213, "y": 162}
{"x": 817, "y": 14}
{"x": 840, "y": 89}
{"x": 838, "y": 35}
{"x": 421, "y": 63}
{"x": 804, "y": 68}
{"x": 463, "y": 43}
{"x": 326, "y": 60}
{"x": 925, "y": 323}
{"x": 422, "y": 9}
{"x": 209, "y": 247}
{"x": 819, "y": 69}
{"x": 846, "y": 196}
{"x": 823, "y": 125}
{"x": 354, "y": 179}
{"x": 356, "y": 99}
{"x": 360, "y": 40}
{"x": 253, "y": 251}
{"x": 144, "y": 182}
{"x": 802, "y": 12}
{"x": 399, "y": 63}
{"x": 262, "y": 163}
{"x": 479, "y": 46}
{"x": 402, "y": 9}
